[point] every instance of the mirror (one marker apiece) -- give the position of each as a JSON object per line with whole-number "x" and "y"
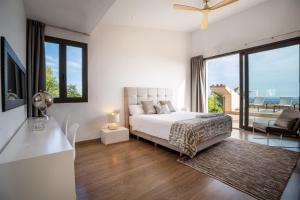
{"x": 13, "y": 78}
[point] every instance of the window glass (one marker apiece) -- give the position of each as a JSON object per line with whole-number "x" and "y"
{"x": 273, "y": 83}
{"x": 74, "y": 71}
{"x": 223, "y": 86}
{"x": 52, "y": 68}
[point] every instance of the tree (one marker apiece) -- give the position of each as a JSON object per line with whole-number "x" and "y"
{"x": 52, "y": 85}
{"x": 72, "y": 91}
{"x": 215, "y": 102}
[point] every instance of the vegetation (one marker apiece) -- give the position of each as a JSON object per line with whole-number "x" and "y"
{"x": 215, "y": 103}
{"x": 52, "y": 85}
{"x": 72, "y": 91}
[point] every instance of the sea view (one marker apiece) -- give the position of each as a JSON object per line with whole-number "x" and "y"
{"x": 275, "y": 100}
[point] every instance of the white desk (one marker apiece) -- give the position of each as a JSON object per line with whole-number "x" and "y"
{"x": 37, "y": 165}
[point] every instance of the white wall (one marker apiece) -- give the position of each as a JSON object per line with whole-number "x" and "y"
{"x": 13, "y": 28}
{"x": 274, "y": 17}
{"x": 122, "y": 56}
{"x": 59, "y": 33}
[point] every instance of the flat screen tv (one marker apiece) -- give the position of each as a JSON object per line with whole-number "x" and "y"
{"x": 13, "y": 78}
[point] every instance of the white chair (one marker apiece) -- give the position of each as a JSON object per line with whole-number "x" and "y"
{"x": 72, "y": 131}
{"x": 258, "y": 102}
{"x": 66, "y": 124}
{"x": 285, "y": 102}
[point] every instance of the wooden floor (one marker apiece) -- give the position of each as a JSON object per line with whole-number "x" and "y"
{"x": 138, "y": 170}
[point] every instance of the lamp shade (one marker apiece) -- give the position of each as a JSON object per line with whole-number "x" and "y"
{"x": 114, "y": 117}
{"x": 113, "y": 120}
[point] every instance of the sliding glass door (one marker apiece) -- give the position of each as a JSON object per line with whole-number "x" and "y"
{"x": 272, "y": 82}
{"x": 223, "y": 81}
{"x": 256, "y": 83}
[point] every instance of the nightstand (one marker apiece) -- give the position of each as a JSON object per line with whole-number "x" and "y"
{"x": 113, "y": 136}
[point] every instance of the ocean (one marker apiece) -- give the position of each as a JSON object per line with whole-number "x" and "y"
{"x": 275, "y": 100}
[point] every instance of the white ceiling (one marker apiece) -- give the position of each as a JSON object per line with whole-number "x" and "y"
{"x": 84, "y": 15}
{"x": 78, "y": 15}
{"x": 161, "y": 15}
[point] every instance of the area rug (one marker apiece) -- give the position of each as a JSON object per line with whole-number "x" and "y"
{"x": 258, "y": 170}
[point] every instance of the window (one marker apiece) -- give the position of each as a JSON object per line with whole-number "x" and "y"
{"x": 223, "y": 81}
{"x": 273, "y": 82}
{"x": 66, "y": 70}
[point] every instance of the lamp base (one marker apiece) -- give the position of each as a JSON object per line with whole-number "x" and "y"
{"x": 113, "y": 126}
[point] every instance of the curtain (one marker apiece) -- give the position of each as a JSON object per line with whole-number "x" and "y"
{"x": 198, "y": 85}
{"x": 35, "y": 63}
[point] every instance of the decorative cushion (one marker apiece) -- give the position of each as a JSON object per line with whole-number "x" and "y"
{"x": 287, "y": 123}
{"x": 296, "y": 126}
{"x": 162, "y": 109}
{"x": 136, "y": 110}
{"x": 171, "y": 107}
{"x": 287, "y": 119}
{"x": 148, "y": 107}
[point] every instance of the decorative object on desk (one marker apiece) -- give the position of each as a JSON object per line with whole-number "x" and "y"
{"x": 37, "y": 123}
{"x": 113, "y": 120}
{"x": 42, "y": 101}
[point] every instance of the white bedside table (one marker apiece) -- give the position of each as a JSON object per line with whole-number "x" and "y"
{"x": 113, "y": 136}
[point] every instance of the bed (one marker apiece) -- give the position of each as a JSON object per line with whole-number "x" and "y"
{"x": 161, "y": 128}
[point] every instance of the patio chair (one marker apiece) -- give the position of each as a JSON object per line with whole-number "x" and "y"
{"x": 288, "y": 123}
{"x": 285, "y": 102}
{"x": 258, "y": 102}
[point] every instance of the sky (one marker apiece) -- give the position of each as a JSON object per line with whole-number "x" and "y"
{"x": 224, "y": 70}
{"x": 273, "y": 73}
{"x": 74, "y": 63}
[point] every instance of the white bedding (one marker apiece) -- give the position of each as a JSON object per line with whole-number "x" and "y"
{"x": 158, "y": 125}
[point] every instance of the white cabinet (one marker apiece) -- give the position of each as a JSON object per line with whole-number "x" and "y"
{"x": 38, "y": 165}
{"x": 113, "y": 136}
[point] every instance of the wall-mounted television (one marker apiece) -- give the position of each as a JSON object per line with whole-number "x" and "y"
{"x": 13, "y": 78}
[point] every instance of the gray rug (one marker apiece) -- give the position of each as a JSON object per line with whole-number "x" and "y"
{"x": 258, "y": 170}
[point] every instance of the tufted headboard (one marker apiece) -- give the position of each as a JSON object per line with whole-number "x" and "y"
{"x": 134, "y": 96}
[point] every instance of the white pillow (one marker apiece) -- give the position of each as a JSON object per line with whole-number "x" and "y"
{"x": 136, "y": 110}
{"x": 162, "y": 109}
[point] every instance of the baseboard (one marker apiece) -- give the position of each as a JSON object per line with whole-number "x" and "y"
{"x": 88, "y": 141}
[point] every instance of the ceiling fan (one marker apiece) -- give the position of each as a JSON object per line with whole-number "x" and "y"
{"x": 205, "y": 10}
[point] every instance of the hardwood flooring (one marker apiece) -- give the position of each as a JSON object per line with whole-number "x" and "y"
{"x": 138, "y": 170}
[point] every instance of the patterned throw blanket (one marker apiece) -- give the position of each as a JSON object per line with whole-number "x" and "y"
{"x": 188, "y": 134}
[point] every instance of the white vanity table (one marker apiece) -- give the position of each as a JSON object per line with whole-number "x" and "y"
{"x": 38, "y": 165}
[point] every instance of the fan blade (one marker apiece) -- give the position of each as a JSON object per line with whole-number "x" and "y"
{"x": 223, "y": 3}
{"x": 184, "y": 7}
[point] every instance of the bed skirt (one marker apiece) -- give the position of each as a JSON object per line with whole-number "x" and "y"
{"x": 166, "y": 143}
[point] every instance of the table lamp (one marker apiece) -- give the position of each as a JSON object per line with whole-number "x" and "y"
{"x": 113, "y": 120}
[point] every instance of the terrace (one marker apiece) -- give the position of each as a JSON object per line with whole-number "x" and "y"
{"x": 224, "y": 99}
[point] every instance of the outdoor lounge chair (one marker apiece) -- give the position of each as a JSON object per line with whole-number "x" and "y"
{"x": 288, "y": 123}
{"x": 258, "y": 102}
{"x": 284, "y": 102}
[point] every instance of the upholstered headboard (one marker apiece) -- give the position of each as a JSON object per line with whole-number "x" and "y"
{"x": 134, "y": 96}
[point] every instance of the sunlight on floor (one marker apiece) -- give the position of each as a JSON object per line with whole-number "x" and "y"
{"x": 292, "y": 144}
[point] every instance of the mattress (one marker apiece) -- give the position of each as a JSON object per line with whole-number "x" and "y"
{"x": 158, "y": 125}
